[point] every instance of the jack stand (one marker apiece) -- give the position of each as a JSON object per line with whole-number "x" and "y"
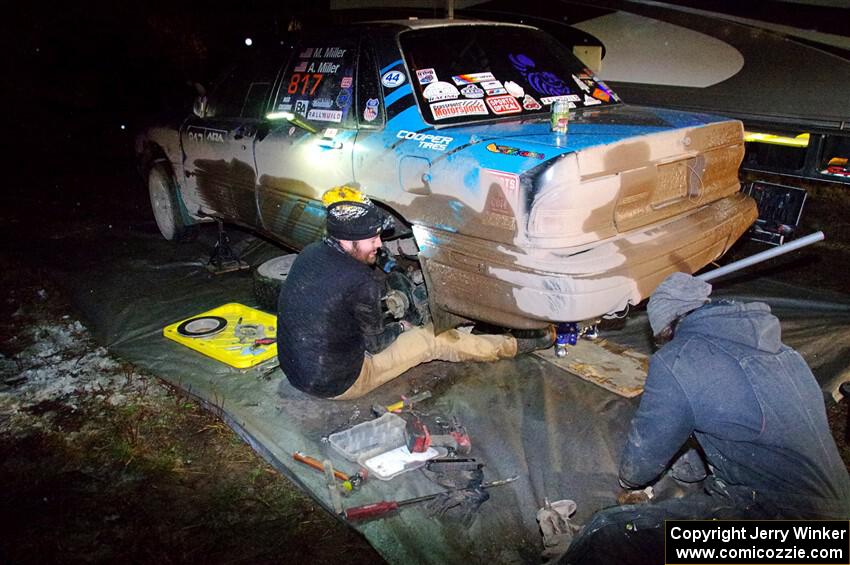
{"x": 223, "y": 259}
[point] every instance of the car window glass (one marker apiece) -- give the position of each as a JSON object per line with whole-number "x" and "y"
{"x": 319, "y": 84}
{"x": 244, "y": 90}
{"x": 484, "y": 72}
{"x": 370, "y": 107}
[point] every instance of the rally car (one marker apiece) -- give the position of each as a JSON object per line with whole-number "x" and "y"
{"x": 446, "y": 125}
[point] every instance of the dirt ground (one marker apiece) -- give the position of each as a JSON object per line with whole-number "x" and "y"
{"x": 100, "y": 463}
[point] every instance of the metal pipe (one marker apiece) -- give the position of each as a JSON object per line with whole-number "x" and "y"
{"x": 759, "y": 257}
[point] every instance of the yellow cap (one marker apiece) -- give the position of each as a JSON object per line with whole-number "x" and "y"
{"x": 342, "y": 194}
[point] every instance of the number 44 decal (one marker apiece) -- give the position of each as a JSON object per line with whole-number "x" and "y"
{"x": 392, "y": 79}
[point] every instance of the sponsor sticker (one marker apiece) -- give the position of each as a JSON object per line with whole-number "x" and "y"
{"x": 474, "y": 77}
{"x": 567, "y": 98}
{"x": 514, "y": 89}
{"x": 284, "y": 107}
{"x": 472, "y": 91}
{"x": 426, "y": 140}
{"x": 502, "y": 204}
{"x": 590, "y": 101}
{"x": 301, "y": 107}
{"x": 370, "y": 112}
{"x": 323, "y": 103}
{"x": 503, "y": 104}
{"x": 529, "y": 103}
{"x": 330, "y": 133}
{"x": 581, "y": 84}
{"x": 325, "y": 115}
{"x": 516, "y": 151}
{"x": 392, "y": 79}
{"x": 495, "y": 91}
{"x": 343, "y": 99}
{"x": 440, "y": 91}
{"x": 600, "y": 94}
{"x": 491, "y": 84}
{"x": 454, "y": 108}
{"x": 346, "y": 82}
{"x": 426, "y": 76}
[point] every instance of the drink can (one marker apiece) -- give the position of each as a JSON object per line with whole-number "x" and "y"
{"x": 560, "y": 118}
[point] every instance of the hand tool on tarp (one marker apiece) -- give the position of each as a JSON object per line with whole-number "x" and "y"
{"x": 419, "y": 438}
{"x": 406, "y": 403}
{"x": 385, "y": 507}
{"x": 349, "y": 482}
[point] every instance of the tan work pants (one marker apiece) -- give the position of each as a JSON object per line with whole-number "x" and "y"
{"x": 420, "y": 345}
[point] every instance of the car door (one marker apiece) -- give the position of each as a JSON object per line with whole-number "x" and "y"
{"x": 219, "y": 146}
{"x": 310, "y": 143}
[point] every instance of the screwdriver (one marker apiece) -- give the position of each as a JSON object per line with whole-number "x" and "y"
{"x": 381, "y": 509}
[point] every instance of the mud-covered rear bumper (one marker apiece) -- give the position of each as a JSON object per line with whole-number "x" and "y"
{"x": 526, "y": 288}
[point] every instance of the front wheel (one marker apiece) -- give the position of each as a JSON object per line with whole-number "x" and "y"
{"x": 165, "y": 205}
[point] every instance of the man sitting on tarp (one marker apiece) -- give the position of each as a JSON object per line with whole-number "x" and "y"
{"x": 332, "y": 339}
{"x": 750, "y": 402}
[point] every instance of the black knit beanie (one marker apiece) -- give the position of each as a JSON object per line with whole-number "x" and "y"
{"x": 354, "y": 221}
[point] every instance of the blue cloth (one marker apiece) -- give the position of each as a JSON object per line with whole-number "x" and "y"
{"x": 752, "y": 404}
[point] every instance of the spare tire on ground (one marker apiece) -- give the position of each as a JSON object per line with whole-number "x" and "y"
{"x": 267, "y": 280}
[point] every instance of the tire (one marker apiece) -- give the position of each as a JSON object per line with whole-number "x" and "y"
{"x": 165, "y": 205}
{"x": 268, "y": 278}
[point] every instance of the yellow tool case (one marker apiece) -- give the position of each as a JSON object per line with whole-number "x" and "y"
{"x": 233, "y": 333}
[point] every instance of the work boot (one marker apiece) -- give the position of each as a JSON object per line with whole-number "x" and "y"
{"x": 545, "y": 340}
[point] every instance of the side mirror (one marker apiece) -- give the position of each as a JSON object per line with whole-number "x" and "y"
{"x": 199, "y": 108}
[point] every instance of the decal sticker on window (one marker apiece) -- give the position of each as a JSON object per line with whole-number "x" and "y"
{"x": 568, "y": 98}
{"x": 475, "y": 77}
{"x": 507, "y": 150}
{"x": 304, "y": 83}
{"x": 491, "y": 84}
{"x": 346, "y": 82}
{"x": 495, "y": 91}
{"x": 426, "y": 76}
{"x": 589, "y": 101}
{"x": 427, "y": 140}
{"x": 392, "y": 79}
{"x": 503, "y": 104}
{"x": 454, "y": 108}
{"x": 324, "y": 67}
{"x": 343, "y": 99}
{"x": 325, "y": 115}
{"x": 514, "y": 89}
{"x": 529, "y": 103}
{"x": 330, "y": 133}
{"x": 323, "y": 103}
{"x": 543, "y": 82}
{"x": 306, "y": 54}
{"x": 600, "y": 94}
{"x": 300, "y": 67}
{"x": 328, "y": 53}
{"x": 472, "y": 91}
{"x": 301, "y": 107}
{"x": 440, "y": 91}
{"x": 581, "y": 84}
{"x": 370, "y": 112}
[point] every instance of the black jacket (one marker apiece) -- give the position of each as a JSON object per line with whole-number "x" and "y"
{"x": 329, "y": 314}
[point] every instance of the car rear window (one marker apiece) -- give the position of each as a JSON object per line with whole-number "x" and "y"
{"x": 474, "y": 73}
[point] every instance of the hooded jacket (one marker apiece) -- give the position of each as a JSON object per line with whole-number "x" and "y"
{"x": 753, "y": 405}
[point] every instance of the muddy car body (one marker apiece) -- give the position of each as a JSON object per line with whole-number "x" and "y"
{"x": 446, "y": 125}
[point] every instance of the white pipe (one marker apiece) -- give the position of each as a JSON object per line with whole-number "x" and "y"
{"x": 759, "y": 257}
